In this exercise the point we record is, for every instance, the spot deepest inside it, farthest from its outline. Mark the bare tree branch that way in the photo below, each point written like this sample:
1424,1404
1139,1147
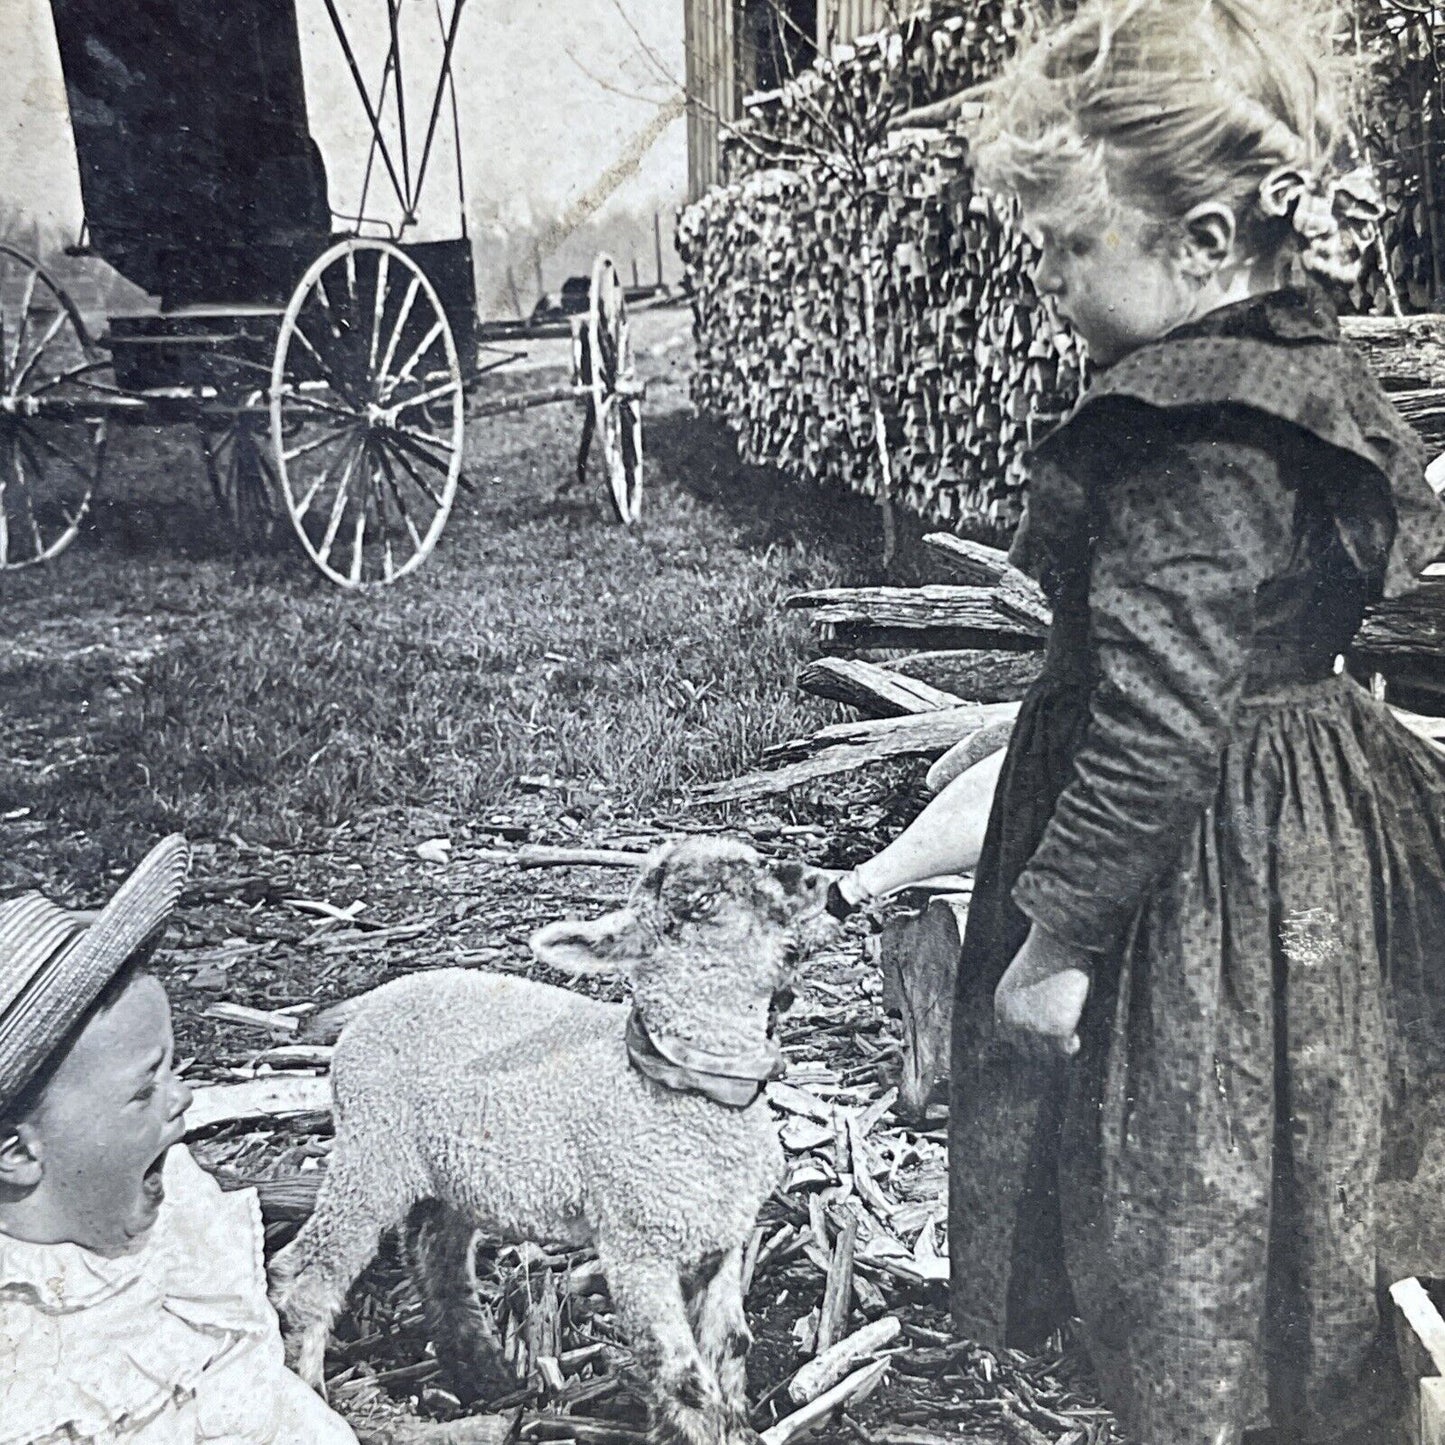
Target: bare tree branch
613,89
660,65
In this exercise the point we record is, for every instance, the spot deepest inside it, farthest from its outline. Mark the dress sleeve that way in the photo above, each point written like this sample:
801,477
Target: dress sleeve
1191,530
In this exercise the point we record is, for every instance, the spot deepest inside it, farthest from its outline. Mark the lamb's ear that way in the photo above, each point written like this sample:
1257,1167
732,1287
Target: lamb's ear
599,945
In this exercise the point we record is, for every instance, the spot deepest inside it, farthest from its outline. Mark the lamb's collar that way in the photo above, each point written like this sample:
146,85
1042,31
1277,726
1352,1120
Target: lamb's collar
732,1079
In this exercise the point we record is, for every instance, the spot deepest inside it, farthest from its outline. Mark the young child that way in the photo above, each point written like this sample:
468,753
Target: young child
1212,881
132,1290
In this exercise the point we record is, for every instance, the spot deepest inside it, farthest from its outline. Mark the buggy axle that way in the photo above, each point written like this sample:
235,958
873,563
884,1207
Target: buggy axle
344,414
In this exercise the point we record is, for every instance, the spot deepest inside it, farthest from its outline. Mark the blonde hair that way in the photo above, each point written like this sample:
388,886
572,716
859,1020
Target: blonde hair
1166,104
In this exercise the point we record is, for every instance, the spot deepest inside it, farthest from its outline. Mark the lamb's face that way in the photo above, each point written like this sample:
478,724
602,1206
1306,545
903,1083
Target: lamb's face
707,913
718,901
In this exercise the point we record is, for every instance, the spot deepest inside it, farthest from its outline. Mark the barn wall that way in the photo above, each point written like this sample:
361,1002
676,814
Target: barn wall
843,20
711,41
840,21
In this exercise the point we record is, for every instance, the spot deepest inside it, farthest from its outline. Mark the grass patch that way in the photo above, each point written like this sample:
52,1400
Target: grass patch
155,679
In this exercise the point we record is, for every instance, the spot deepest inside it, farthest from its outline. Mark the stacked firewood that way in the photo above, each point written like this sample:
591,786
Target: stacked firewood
885,337
838,108
862,315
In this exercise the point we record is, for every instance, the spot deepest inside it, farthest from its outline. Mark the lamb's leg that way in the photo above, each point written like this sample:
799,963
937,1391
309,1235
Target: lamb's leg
440,1244
365,1191
687,1405
715,1304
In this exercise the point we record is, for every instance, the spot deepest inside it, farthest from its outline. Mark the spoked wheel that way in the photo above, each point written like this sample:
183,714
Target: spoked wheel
616,409
366,413
242,471
51,462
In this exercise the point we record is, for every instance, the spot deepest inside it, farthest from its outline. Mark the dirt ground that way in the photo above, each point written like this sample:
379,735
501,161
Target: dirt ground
156,588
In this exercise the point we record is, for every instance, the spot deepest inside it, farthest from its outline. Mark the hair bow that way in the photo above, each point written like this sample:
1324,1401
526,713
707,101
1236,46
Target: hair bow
1334,218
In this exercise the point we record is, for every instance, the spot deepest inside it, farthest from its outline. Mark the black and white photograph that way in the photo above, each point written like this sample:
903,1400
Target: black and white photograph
722,722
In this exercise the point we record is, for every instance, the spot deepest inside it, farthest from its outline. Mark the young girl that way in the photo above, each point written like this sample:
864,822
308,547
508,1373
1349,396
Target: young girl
1212,879
132,1291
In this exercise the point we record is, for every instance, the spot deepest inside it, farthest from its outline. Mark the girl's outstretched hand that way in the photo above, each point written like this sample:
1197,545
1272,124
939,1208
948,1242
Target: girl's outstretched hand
1041,996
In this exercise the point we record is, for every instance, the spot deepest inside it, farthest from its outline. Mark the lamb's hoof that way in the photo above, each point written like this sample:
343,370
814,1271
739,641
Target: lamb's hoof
681,1423
477,1377
309,1359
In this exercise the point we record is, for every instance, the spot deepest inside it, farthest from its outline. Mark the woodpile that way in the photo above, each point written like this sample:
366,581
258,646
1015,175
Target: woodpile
1401,48
862,316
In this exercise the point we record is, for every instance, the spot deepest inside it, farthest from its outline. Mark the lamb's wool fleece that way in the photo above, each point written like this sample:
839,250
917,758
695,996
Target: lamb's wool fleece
467,1099
511,1098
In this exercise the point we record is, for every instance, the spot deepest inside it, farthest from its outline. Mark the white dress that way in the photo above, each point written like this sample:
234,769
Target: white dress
174,1343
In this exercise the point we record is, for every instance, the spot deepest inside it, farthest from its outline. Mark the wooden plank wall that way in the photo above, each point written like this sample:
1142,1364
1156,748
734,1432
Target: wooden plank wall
840,21
710,35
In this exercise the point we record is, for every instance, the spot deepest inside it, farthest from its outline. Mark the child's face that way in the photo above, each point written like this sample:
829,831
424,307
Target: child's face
1113,281
105,1121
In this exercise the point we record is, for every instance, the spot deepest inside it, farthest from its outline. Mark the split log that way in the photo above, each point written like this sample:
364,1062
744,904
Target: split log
535,855
1424,409
1020,597
850,1391
1411,625
867,637
238,1013
838,1291
874,691
761,784
918,952
261,1099
1432,729
926,735
829,1366
1420,1342
1020,1431
794,1100
977,675
750,1257
965,613
974,563
1404,351
865,1166
1015,615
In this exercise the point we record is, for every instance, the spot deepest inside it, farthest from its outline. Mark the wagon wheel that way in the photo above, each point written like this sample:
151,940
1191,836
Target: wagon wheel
616,409
242,473
366,413
50,465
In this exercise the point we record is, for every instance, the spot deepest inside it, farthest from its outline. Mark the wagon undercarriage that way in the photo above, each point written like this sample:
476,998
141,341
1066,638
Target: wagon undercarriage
339,399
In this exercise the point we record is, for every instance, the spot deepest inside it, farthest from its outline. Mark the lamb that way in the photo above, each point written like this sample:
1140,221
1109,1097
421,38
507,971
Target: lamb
467,1101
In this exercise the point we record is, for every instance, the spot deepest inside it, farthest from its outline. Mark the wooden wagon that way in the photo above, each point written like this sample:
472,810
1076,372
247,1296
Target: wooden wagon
328,363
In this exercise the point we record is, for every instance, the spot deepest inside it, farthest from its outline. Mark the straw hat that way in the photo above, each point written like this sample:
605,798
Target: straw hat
55,962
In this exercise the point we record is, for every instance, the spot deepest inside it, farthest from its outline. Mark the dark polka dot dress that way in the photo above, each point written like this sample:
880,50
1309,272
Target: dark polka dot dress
1253,851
